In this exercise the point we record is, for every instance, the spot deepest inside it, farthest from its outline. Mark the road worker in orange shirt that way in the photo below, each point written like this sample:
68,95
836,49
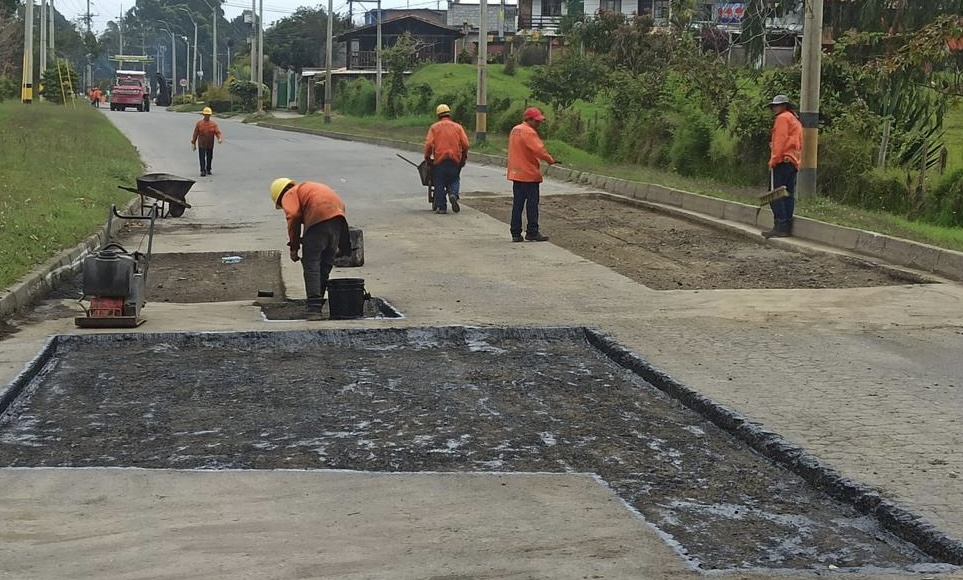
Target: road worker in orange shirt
446,149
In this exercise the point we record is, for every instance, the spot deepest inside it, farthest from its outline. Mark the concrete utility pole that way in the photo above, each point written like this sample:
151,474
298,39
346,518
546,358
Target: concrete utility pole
43,37
809,96
26,88
481,107
88,73
329,45
51,35
378,64
260,58
254,24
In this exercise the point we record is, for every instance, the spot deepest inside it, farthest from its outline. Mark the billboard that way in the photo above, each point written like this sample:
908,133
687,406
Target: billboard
730,13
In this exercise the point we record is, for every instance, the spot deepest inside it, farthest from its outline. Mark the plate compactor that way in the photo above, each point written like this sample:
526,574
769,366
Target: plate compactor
115,280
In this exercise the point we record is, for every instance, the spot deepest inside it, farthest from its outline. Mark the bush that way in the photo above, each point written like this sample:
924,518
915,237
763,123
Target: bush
691,142
218,99
509,66
944,206
357,98
533,55
184,99
9,88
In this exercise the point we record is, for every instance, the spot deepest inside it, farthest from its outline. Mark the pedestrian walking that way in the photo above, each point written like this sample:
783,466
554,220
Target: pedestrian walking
525,151
785,152
205,131
317,224
446,149
95,97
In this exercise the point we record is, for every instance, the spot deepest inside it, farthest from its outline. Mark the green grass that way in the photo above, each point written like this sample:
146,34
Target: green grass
59,172
446,78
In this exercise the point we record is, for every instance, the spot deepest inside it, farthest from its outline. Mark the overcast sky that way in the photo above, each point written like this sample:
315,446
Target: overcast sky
103,11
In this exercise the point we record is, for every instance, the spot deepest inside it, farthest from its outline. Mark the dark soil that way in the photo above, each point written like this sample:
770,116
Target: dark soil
202,277
668,253
448,399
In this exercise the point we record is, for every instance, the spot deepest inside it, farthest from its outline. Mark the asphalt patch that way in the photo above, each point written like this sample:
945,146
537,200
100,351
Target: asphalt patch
450,399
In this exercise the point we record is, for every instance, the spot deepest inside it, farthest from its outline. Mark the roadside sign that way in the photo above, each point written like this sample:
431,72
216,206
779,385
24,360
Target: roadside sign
182,82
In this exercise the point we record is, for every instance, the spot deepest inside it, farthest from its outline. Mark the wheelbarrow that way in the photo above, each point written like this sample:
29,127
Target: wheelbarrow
424,173
170,190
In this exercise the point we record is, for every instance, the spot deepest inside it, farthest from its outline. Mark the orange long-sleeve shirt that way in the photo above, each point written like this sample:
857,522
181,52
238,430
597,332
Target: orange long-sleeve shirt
446,139
205,131
785,144
525,150
307,204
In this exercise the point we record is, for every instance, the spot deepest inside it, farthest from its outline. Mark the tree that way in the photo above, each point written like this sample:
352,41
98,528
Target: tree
397,59
300,40
569,79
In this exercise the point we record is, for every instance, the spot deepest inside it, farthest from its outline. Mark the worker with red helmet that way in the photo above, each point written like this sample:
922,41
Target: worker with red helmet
525,151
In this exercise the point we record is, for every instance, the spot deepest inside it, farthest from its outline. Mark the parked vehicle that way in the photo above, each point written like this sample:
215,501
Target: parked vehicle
131,89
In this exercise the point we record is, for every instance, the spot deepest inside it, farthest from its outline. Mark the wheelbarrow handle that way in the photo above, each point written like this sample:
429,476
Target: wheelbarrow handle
406,159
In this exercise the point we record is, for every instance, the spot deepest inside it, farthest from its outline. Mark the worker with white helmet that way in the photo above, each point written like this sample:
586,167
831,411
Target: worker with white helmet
317,225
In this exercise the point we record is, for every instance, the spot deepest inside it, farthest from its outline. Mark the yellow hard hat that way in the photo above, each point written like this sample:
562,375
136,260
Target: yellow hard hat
278,186
442,109
207,111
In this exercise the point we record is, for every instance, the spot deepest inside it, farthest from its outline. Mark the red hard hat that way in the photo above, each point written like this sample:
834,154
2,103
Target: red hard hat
534,113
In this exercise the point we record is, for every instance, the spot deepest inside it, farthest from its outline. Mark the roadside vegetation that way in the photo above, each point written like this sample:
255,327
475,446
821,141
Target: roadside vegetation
891,139
59,172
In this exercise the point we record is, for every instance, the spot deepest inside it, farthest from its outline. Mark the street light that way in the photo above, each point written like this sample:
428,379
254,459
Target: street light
194,60
187,55
173,56
215,77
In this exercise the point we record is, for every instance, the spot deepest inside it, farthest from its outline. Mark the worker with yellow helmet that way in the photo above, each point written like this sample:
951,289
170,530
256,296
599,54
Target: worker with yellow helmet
446,149
317,225
205,131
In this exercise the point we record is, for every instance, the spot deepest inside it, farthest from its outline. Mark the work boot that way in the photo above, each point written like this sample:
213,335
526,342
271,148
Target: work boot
536,237
454,203
780,230
441,210
518,239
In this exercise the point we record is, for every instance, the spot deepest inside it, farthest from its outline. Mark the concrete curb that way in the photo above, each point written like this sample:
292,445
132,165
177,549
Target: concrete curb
65,264
901,522
914,255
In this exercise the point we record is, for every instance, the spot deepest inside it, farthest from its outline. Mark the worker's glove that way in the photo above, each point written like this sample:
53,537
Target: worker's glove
220,140
294,256
193,147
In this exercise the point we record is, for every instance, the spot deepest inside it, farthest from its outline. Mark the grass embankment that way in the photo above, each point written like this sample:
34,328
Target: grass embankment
448,78
59,172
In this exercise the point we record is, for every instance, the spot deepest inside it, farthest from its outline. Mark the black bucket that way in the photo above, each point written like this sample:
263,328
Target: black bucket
346,298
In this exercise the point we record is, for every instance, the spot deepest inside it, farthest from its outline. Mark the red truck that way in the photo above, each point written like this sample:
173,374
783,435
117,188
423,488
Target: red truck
130,89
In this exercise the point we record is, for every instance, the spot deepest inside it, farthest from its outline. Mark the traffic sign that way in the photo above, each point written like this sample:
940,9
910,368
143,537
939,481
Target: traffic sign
182,82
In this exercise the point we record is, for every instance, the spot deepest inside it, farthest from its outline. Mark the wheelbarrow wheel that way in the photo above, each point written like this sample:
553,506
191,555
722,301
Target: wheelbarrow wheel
431,196
175,209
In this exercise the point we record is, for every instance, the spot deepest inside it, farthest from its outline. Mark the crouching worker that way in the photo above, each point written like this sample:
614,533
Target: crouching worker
317,210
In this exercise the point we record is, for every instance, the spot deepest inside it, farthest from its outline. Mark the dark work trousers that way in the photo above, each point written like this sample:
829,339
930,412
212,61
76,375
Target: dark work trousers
782,209
444,173
525,196
205,156
318,249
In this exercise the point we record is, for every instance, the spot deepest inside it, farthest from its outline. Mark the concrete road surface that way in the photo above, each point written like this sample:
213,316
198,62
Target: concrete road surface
868,380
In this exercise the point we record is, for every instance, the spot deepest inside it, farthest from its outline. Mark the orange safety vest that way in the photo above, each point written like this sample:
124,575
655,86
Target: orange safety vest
446,139
309,204
205,131
525,149
785,144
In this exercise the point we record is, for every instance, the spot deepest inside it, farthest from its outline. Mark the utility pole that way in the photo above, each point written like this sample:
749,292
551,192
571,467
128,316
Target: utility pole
51,35
481,107
26,88
215,76
329,45
88,73
809,96
260,59
378,64
254,25
43,37
120,34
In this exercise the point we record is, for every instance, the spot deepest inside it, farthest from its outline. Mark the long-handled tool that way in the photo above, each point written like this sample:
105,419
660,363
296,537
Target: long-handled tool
424,172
